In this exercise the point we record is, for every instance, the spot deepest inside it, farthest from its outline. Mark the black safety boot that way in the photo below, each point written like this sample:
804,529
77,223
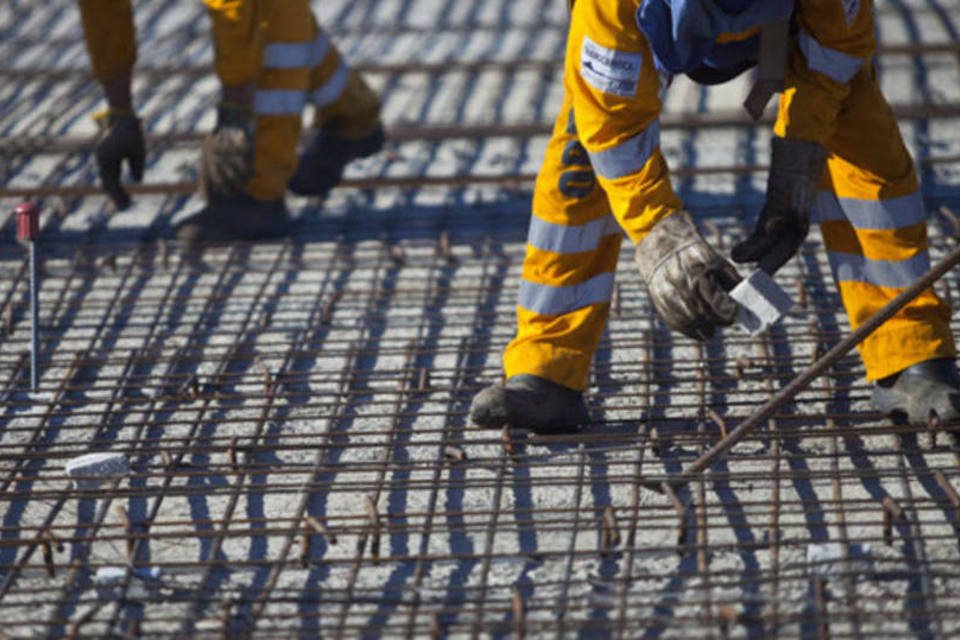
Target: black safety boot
240,217
925,391
530,402
321,165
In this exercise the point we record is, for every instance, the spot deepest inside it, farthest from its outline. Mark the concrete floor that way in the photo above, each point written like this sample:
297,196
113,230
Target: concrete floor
342,328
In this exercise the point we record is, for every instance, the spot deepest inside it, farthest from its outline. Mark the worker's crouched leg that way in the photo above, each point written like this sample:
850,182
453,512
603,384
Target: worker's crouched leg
530,402
346,130
926,393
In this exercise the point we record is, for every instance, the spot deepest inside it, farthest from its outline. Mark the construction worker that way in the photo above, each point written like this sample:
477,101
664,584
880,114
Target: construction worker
272,60
837,155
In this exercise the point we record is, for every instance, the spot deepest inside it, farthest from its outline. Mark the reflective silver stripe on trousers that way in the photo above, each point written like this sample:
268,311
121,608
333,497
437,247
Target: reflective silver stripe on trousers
332,89
559,238
893,213
850,267
556,301
628,157
278,102
835,64
293,55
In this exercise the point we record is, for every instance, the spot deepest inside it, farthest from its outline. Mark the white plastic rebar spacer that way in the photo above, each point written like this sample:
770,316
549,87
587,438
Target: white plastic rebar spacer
762,302
90,471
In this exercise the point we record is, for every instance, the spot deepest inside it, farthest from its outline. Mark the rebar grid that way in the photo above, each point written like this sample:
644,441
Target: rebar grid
295,413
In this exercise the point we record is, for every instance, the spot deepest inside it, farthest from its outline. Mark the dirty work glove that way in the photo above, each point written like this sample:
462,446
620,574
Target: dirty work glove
686,279
226,156
795,170
120,138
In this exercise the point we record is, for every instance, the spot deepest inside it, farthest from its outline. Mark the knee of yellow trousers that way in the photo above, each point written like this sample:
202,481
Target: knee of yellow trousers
558,348
274,157
888,352
355,113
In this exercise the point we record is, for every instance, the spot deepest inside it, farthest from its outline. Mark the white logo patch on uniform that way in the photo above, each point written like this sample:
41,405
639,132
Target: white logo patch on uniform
609,70
851,8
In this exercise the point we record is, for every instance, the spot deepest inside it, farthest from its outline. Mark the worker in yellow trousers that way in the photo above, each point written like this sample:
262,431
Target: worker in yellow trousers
837,156
272,60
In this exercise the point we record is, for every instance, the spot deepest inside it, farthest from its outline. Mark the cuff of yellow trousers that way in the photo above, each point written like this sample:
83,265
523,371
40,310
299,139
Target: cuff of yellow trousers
570,369
888,352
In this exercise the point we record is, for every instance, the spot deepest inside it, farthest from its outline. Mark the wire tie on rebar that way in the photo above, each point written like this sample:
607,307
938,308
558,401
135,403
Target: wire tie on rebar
509,449
397,255
124,517
954,220
892,512
720,422
681,510
321,529
164,253
727,617
951,493
59,207
87,616
265,319
374,516
48,542
232,454
519,615
454,453
326,313
820,600
190,388
108,262
443,246
611,530
656,446
615,300
740,365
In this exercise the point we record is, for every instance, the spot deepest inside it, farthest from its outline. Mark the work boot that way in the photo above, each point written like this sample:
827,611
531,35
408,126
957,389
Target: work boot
530,402
927,390
241,217
321,165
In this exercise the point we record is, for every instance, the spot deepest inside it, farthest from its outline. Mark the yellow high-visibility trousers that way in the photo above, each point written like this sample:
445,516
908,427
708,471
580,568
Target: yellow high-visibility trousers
275,43
603,175
874,227
300,66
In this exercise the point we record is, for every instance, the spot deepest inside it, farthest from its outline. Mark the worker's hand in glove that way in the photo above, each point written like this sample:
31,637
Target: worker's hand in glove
121,138
226,156
795,170
687,280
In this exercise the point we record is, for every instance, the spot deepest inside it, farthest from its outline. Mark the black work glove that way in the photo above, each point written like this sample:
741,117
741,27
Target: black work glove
226,156
121,138
795,170
687,280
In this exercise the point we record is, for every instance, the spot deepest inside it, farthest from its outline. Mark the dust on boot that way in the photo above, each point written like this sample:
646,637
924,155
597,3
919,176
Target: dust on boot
530,402
240,217
926,391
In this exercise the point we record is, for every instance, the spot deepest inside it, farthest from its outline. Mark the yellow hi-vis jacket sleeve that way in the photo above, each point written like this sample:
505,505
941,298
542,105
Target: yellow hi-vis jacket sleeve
834,40
615,92
110,36
237,39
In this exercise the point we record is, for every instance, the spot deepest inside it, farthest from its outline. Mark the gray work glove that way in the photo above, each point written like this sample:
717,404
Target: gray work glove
226,155
795,170
120,138
687,280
